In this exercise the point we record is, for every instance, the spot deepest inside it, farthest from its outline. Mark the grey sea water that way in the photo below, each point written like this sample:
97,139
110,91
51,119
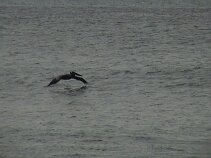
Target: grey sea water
148,68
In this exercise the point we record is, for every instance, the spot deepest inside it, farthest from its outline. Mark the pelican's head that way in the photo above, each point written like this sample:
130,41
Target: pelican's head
74,73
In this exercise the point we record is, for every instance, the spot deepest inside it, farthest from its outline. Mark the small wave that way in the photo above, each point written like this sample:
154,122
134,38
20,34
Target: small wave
128,72
153,72
76,89
20,81
113,73
173,85
144,138
121,72
93,140
174,149
70,91
191,69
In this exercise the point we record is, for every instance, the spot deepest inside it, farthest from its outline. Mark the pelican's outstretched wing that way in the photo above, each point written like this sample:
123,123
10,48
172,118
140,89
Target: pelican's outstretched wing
80,79
54,81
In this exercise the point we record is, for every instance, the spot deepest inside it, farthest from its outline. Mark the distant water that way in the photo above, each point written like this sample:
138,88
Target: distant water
149,74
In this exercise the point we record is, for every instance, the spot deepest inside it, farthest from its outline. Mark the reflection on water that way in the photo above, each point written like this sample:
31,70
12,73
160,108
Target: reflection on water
76,91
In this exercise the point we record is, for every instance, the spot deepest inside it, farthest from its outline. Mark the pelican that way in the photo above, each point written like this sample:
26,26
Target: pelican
72,75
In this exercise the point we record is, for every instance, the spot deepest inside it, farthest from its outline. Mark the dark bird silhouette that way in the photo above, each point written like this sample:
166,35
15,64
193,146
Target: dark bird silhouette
72,75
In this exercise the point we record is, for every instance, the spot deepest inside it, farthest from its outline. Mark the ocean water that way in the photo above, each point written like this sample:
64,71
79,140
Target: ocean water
149,74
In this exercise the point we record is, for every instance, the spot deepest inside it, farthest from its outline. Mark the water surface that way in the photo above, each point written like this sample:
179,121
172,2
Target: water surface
148,70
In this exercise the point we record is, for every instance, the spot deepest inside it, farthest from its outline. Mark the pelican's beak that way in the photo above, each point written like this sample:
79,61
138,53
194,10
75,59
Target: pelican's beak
78,74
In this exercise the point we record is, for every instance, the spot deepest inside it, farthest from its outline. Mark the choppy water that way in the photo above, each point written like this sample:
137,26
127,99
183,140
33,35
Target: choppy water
148,69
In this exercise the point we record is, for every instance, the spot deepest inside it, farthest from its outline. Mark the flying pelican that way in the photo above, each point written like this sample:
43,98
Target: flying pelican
72,75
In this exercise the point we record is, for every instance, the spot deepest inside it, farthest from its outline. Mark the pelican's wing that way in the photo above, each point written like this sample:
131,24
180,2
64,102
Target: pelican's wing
80,79
54,81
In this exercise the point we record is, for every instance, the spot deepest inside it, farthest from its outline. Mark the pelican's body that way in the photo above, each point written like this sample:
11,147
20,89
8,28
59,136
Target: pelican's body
72,75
